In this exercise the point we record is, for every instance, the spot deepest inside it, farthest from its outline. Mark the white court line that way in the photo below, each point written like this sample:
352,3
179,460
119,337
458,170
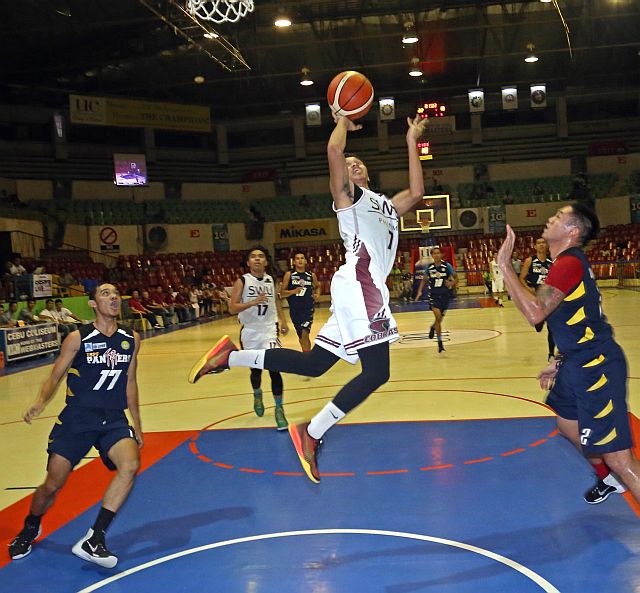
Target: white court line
536,578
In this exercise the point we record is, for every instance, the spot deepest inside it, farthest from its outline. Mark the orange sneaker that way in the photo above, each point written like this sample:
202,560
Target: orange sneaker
307,449
214,361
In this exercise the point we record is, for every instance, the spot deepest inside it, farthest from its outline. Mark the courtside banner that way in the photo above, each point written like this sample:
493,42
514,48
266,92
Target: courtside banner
317,230
130,113
634,205
19,343
497,219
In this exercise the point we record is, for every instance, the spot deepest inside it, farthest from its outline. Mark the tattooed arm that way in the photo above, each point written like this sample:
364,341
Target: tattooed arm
535,307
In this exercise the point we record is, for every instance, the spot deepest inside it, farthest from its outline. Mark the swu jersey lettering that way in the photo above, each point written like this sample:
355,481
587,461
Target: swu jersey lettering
265,314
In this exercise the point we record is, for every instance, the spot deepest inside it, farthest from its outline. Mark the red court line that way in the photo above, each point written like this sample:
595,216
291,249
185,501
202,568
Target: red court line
251,471
540,442
85,487
507,453
291,474
388,472
481,460
432,467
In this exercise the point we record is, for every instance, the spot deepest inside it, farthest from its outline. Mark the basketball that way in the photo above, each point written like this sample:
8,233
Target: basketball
350,94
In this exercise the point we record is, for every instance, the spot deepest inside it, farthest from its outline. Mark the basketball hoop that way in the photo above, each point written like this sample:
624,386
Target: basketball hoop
220,11
424,226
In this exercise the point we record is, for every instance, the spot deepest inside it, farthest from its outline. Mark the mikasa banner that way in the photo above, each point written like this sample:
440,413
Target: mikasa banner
305,230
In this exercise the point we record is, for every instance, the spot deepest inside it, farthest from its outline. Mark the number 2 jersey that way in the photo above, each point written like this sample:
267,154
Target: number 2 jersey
538,271
98,374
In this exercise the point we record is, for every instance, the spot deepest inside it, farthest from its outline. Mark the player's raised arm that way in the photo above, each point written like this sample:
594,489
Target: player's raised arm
535,307
405,200
339,184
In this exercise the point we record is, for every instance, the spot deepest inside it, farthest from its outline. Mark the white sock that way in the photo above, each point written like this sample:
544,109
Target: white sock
324,420
254,359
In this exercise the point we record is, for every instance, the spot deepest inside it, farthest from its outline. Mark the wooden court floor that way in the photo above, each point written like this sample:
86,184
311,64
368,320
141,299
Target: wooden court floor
487,372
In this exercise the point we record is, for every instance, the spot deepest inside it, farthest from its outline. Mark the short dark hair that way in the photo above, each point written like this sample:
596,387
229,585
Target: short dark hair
49,301
31,301
586,220
13,303
58,301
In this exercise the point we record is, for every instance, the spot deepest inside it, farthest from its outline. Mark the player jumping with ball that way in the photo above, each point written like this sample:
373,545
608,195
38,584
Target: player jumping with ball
361,325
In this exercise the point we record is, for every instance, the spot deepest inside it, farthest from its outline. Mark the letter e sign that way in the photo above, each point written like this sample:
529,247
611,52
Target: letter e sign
194,233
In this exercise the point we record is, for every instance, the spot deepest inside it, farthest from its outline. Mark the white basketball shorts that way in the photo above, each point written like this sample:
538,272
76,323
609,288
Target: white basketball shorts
263,338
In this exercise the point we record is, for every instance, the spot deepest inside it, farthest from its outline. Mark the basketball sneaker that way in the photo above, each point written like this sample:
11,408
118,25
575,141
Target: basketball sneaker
603,489
258,405
440,347
281,420
96,553
21,545
214,361
307,449
432,332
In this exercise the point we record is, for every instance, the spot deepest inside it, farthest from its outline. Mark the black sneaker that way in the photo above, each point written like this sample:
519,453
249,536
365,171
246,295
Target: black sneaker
21,545
96,553
440,347
603,489
432,332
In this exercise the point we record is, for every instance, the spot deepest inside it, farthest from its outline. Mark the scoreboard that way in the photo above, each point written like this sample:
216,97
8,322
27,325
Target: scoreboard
441,123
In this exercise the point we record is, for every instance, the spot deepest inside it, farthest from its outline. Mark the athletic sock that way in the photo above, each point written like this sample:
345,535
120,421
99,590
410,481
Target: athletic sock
103,520
253,359
278,400
601,469
324,420
257,392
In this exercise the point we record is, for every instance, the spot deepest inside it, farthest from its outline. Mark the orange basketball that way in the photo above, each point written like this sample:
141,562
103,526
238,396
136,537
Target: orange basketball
350,94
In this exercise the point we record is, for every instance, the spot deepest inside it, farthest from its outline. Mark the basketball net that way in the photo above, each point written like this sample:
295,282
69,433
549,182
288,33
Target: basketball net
220,11
424,226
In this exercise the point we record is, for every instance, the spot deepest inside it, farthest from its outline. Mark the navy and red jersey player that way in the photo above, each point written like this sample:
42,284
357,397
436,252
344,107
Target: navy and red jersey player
587,381
533,274
302,290
99,361
441,279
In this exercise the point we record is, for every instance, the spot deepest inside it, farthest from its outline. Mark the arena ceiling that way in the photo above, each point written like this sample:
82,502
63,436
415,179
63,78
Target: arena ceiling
148,49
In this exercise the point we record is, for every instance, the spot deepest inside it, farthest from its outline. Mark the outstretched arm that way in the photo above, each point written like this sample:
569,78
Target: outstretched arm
535,307
339,184
405,200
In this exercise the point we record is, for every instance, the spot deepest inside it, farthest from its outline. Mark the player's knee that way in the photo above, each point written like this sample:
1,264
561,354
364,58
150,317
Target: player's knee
51,486
128,467
377,376
618,462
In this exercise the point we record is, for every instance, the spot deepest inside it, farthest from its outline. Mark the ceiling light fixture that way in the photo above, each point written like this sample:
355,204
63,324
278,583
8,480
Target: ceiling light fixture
282,20
409,36
198,79
531,56
211,35
546,1
415,68
306,80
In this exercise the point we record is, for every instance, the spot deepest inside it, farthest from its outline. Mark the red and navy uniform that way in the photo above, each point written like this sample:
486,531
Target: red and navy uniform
591,382
439,292
96,396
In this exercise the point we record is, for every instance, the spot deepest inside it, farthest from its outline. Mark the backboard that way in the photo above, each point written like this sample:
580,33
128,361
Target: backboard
435,209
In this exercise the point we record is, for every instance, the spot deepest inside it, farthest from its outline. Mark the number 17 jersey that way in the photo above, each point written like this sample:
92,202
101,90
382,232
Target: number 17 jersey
98,374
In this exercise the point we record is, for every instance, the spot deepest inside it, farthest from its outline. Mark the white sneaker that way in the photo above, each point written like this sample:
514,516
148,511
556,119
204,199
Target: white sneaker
97,554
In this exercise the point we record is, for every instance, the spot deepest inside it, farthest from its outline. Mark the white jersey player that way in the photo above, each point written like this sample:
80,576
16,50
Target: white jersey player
361,325
254,298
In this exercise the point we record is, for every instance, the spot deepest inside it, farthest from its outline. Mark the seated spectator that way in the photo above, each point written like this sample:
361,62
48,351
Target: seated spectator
139,310
194,300
67,316
206,300
183,305
39,269
156,308
507,198
66,279
50,314
166,300
16,268
537,189
6,318
28,314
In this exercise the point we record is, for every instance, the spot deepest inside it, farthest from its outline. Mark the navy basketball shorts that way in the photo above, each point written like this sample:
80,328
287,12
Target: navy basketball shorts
302,320
440,301
594,393
78,429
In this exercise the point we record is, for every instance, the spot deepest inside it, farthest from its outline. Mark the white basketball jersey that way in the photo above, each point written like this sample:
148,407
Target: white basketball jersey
369,229
262,315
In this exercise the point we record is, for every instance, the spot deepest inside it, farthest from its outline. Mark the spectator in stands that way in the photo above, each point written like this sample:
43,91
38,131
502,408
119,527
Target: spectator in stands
16,268
6,319
516,262
304,201
66,278
507,198
183,306
156,308
139,310
40,269
66,315
193,300
49,314
166,300
12,311
28,314
206,300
